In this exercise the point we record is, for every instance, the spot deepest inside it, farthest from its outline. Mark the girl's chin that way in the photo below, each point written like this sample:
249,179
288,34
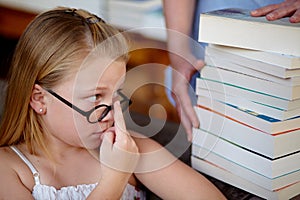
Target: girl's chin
94,141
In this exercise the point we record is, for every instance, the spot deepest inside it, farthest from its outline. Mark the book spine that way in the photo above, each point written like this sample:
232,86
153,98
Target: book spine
251,95
257,163
252,64
251,176
272,146
237,181
238,33
257,107
223,63
250,83
275,59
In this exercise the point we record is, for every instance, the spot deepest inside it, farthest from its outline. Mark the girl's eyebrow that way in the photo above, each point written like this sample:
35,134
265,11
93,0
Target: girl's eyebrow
98,88
101,88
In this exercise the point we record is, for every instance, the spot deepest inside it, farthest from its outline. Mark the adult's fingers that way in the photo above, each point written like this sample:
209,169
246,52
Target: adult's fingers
199,64
185,109
188,115
276,11
262,11
295,18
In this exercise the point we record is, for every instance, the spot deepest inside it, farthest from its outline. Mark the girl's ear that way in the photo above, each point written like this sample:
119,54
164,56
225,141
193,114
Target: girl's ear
37,99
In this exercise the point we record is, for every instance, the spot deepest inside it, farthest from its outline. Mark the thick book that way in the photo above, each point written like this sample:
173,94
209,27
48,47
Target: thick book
215,57
136,6
243,102
235,27
220,173
261,122
140,16
275,59
268,167
268,145
242,171
214,53
232,66
249,94
252,83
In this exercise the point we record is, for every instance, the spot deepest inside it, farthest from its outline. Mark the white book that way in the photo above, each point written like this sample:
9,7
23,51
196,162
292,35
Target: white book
134,5
239,182
219,53
232,65
250,83
270,168
275,59
143,17
235,27
261,122
242,102
271,146
242,171
249,94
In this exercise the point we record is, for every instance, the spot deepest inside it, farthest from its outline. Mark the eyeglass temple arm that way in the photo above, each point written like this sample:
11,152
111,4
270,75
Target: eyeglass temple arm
68,103
125,98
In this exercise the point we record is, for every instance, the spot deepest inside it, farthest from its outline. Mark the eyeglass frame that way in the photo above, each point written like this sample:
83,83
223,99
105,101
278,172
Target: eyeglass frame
88,113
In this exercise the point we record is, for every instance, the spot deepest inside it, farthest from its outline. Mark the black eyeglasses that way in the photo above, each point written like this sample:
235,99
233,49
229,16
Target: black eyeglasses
98,113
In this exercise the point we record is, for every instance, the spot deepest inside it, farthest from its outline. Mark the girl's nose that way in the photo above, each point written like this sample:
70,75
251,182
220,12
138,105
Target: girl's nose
109,116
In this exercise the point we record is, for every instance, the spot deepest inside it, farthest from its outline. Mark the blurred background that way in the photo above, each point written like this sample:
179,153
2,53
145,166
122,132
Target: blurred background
147,46
151,112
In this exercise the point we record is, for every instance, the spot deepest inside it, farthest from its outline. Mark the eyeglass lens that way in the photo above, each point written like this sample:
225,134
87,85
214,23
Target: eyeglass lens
101,112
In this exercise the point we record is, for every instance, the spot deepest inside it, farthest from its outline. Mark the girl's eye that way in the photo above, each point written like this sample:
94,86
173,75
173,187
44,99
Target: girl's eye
94,98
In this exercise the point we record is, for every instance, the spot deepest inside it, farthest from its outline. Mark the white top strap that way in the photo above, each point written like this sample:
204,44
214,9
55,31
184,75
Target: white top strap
35,173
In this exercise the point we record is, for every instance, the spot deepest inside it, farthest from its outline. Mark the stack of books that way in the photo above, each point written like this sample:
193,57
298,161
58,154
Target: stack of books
141,16
249,103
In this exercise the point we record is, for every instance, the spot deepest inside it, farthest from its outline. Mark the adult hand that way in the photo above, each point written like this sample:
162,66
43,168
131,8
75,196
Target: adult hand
288,8
183,70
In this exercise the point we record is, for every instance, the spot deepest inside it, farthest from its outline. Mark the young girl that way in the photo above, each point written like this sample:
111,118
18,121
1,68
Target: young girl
63,135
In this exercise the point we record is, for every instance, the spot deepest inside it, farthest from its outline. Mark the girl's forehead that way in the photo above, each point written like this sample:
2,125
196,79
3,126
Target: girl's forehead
100,71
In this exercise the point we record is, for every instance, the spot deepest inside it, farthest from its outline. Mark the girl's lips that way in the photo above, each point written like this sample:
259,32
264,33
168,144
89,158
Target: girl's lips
110,129
102,133
105,128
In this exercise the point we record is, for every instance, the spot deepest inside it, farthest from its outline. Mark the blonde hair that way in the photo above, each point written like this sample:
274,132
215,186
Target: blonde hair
46,51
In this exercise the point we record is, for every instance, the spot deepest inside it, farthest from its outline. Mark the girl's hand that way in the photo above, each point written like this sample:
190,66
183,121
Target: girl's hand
118,150
118,157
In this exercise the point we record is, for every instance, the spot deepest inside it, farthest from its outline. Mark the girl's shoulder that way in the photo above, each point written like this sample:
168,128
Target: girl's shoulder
16,182
14,167
9,168
6,155
10,158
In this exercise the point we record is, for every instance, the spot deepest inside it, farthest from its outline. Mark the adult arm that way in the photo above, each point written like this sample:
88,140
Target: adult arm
179,20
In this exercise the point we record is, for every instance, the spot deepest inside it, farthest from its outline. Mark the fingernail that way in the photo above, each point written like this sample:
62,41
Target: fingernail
196,125
190,138
293,19
270,16
253,12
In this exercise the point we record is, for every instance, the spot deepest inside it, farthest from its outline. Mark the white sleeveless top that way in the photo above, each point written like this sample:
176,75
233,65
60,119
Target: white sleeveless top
79,192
